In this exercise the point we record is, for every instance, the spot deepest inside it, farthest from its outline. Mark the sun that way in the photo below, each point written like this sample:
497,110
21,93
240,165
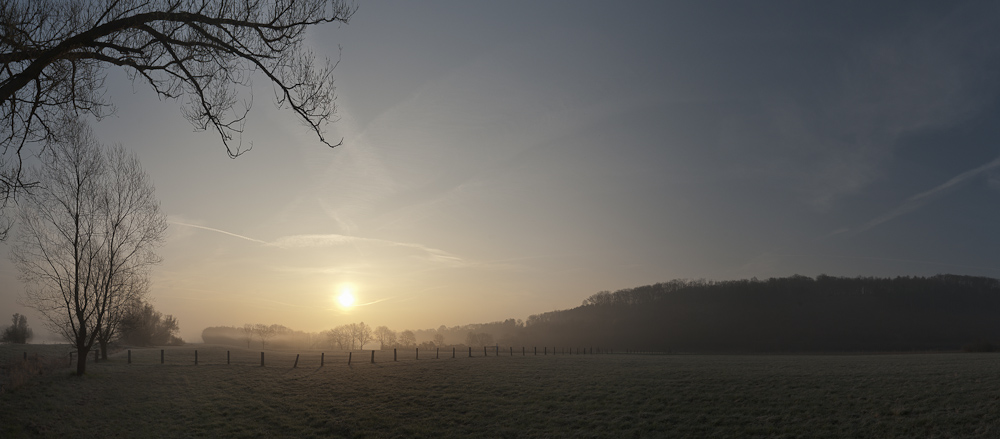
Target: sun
346,298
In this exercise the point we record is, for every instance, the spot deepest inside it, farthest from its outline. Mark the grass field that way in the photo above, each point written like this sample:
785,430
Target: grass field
885,396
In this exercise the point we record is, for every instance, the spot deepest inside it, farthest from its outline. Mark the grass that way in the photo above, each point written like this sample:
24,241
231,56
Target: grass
885,396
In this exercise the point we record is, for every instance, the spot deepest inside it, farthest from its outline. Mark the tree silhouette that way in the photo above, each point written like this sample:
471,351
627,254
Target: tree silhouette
265,333
246,333
362,333
385,337
143,325
88,235
18,332
54,54
407,338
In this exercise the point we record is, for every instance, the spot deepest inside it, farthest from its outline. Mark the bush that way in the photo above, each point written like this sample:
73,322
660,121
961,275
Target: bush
145,326
18,332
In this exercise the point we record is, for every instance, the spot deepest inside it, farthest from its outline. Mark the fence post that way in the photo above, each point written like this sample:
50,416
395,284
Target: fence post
522,351
511,351
546,350
321,358
25,356
129,356
453,352
296,361
262,359
484,352
418,353
161,356
470,351
373,356
227,357
195,357
393,354
497,349
437,354
349,358
536,350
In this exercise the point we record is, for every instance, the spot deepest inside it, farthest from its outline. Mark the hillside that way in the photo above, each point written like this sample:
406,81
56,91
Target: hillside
793,314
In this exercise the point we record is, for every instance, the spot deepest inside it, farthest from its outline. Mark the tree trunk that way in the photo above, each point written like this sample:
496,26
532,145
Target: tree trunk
81,349
81,360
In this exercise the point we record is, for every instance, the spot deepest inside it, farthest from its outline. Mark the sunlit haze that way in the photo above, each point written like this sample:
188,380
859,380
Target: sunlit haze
503,159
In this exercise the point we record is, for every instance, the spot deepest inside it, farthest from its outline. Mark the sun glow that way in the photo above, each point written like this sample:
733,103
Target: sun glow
346,298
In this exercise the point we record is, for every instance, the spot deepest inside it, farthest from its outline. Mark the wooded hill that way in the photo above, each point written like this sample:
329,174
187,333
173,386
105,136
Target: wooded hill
793,314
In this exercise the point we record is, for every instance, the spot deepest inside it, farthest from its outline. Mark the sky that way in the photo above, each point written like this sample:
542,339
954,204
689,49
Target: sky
503,159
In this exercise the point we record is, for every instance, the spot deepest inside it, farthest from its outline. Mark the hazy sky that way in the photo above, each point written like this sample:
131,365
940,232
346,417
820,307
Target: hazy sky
503,159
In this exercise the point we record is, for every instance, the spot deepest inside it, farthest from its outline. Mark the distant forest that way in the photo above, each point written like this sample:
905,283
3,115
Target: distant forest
791,314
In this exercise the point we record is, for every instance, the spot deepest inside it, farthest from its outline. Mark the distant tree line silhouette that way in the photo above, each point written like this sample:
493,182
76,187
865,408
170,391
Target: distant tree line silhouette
353,336
791,314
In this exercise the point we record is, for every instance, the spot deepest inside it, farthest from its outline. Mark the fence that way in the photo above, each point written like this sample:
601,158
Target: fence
221,355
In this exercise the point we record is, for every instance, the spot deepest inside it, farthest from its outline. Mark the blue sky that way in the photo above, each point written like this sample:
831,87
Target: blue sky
505,159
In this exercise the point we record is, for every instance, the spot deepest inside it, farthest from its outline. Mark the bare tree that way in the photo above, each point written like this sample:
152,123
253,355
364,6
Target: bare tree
439,339
57,249
352,333
385,337
247,333
363,334
54,54
132,227
264,333
88,233
407,338
479,339
340,336
125,299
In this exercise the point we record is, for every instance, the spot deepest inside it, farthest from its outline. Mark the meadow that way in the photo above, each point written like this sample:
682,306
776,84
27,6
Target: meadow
619,395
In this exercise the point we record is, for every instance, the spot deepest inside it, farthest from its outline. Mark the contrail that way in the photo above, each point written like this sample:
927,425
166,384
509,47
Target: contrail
218,231
922,198
302,241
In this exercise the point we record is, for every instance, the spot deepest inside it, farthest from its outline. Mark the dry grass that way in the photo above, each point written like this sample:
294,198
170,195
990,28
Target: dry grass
886,396
20,364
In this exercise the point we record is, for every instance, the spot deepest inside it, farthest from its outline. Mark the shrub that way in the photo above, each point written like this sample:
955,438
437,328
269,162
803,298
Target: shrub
18,332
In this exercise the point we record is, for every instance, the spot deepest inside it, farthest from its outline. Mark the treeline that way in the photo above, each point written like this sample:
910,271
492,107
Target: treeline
475,334
792,314
261,335
363,336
